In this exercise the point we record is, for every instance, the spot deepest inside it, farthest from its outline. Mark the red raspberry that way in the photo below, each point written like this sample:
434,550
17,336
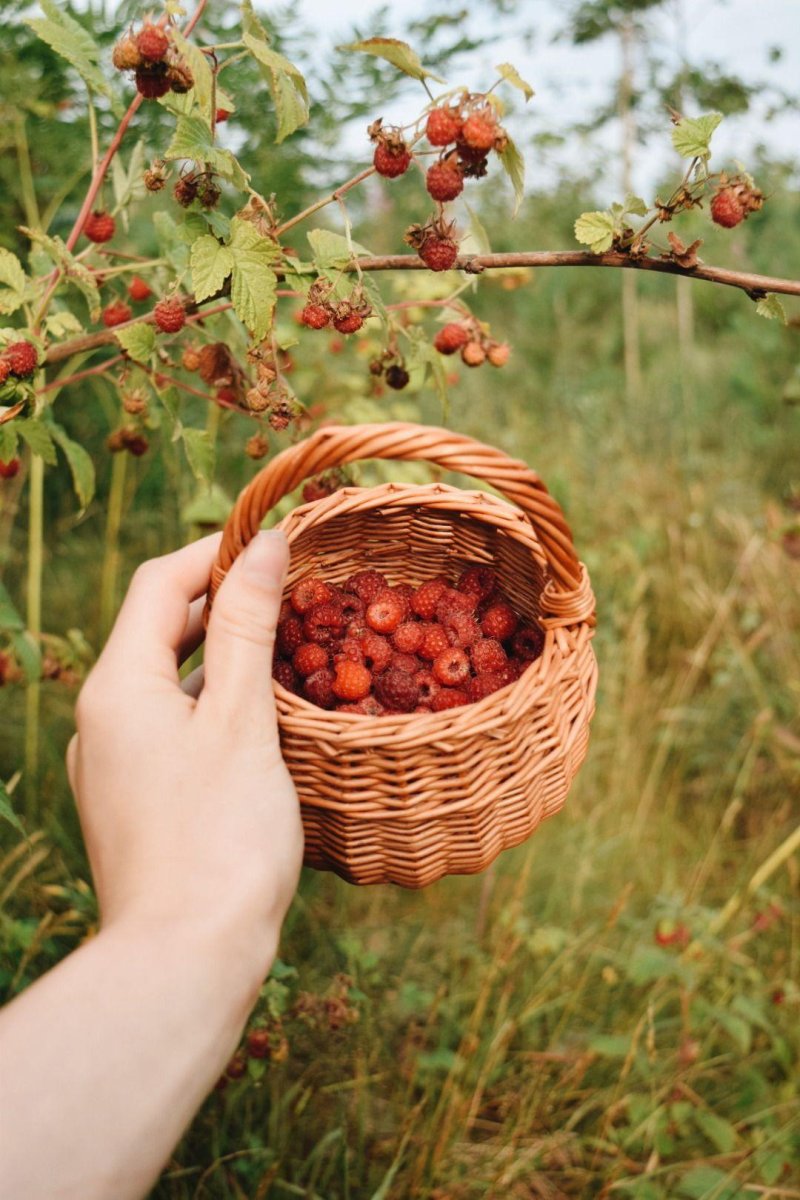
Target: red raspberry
434,643
400,595
390,160
348,323
409,663
5,370
407,638
318,688
480,580
443,126
309,658
9,469
368,707
480,129
308,593
498,353
376,651
473,354
396,690
428,685
290,635
352,681
405,591
499,621
126,56
152,43
237,1067
138,289
366,585
284,674
315,316
258,1043
483,685
427,597
488,655
450,338
451,667
152,81
726,208
22,359
464,629
349,650
528,642
99,227
116,313
221,115
452,602
385,613
444,181
324,623
423,708
449,698
170,315
439,253
352,609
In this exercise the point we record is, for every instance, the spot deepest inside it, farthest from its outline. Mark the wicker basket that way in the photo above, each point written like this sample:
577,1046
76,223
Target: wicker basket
407,799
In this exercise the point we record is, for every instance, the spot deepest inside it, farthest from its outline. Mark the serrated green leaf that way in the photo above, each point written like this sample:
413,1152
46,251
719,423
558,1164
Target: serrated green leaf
635,205
192,140
512,76
137,340
62,324
7,810
514,167
769,306
9,440
80,465
74,272
595,230
332,250
285,82
718,1131
253,281
200,67
211,266
199,453
38,437
13,276
691,137
398,53
74,43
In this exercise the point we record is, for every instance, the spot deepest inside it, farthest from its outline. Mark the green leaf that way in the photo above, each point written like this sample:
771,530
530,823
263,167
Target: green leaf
80,465
718,1131
199,453
691,137
137,340
62,324
610,1045
9,440
595,230
738,1030
332,250
74,43
39,438
253,282
709,1183
649,963
476,240
192,140
211,506
769,306
7,811
200,68
211,266
514,166
398,53
13,276
128,183
74,272
285,82
512,76
10,619
28,653
635,205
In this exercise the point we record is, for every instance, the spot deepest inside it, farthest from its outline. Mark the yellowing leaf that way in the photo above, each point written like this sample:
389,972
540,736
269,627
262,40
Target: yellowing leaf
253,281
769,306
512,76
211,266
138,340
595,230
13,276
514,167
691,136
398,53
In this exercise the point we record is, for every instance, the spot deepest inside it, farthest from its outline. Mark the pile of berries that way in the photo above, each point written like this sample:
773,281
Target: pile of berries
157,64
321,309
471,341
369,647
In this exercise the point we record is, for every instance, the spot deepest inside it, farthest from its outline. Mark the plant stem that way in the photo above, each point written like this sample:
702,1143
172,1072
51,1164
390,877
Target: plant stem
33,620
324,201
110,572
27,188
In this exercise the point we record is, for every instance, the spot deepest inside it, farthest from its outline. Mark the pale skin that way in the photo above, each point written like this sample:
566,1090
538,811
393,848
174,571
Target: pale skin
193,832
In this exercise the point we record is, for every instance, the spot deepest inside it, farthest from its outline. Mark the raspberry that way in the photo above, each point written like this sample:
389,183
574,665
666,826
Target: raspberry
116,314
5,370
257,446
366,585
452,602
284,674
221,115
408,663
9,469
350,322
397,377
480,129
22,359
137,444
190,359
181,81
352,681
368,707
498,353
434,642
499,621
324,623
391,160
258,1043
483,685
443,126
138,289
449,698
126,55
465,629
99,227
349,650
185,190
152,43
151,81
407,638
428,685
237,1066
385,613
400,595
451,667
473,354
376,651
481,581
488,655
318,688
528,642
450,338
444,181
352,609
170,315
427,597
726,208
290,635
315,316
309,658
439,253
308,593
397,691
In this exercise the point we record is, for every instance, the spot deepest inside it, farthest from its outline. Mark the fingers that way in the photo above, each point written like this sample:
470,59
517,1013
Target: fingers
241,629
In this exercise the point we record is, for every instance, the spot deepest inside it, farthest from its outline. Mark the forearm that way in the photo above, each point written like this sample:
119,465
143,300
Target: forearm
104,1061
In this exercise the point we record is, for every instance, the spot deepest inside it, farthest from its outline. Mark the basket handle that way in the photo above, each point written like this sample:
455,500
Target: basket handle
567,597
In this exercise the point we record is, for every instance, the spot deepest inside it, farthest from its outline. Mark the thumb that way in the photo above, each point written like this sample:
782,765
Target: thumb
241,629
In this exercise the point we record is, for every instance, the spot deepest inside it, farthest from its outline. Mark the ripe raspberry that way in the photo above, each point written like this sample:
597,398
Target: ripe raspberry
5,370
478,580
315,316
290,635
350,322
258,1043
368,707
352,681
126,55
528,642
324,623
352,609
9,469
284,674
452,601
397,377
221,115
366,585
443,126
449,698
237,1067
488,655
391,160
385,613
152,81
318,688
397,691
450,338
439,253
465,629
152,43
473,354
376,651
99,227
408,663
138,289
444,181
400,595
407,638
170,315
480,129
483,685
434,642
499,621
726,208
451,667
116,313
308,593
309,658
428,685
498,353
426,598
22,359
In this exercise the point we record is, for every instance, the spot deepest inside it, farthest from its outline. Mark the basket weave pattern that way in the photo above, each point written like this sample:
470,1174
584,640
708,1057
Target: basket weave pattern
409,798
